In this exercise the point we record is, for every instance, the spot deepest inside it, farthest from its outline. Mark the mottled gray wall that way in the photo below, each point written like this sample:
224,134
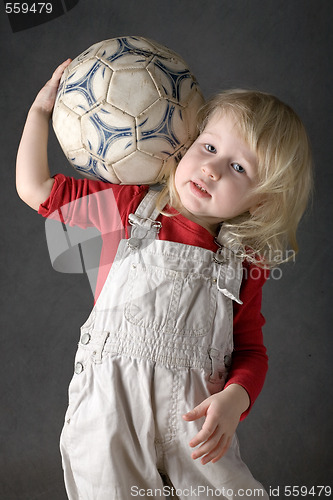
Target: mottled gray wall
283,47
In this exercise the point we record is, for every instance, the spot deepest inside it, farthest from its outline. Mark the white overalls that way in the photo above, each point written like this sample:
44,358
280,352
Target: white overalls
157,343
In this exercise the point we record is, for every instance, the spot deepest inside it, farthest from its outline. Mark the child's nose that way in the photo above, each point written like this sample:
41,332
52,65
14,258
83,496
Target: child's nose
211,171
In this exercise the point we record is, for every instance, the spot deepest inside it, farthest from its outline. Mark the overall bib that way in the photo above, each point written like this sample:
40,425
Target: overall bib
157,343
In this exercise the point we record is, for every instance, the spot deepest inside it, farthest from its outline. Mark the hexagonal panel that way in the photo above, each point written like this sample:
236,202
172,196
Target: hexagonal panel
108,133
132,91
136,166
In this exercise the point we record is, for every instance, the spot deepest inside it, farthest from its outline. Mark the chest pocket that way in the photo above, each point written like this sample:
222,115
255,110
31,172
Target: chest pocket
170,301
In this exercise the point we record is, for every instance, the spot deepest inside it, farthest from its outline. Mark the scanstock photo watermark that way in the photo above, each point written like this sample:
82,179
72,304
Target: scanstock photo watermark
195,492
207,492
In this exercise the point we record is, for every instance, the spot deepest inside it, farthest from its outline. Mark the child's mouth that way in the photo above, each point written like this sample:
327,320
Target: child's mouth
201,188
198,190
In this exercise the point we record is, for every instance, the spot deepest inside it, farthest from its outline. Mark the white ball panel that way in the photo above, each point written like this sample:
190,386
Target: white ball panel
136,166
67,126
132,91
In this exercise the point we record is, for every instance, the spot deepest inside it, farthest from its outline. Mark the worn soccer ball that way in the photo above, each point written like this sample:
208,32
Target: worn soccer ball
126,110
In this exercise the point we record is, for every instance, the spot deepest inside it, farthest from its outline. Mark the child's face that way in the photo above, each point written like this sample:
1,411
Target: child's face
215,177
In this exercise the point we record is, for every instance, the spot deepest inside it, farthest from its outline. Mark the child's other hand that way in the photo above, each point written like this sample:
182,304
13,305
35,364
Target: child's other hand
46,97
222,412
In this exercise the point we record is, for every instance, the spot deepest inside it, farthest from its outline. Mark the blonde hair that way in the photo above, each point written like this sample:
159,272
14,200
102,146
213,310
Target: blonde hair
284,174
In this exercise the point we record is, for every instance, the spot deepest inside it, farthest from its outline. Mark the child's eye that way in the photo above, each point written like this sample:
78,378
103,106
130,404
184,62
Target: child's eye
210,148
238,168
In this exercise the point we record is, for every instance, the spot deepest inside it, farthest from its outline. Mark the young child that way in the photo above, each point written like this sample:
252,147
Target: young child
171,357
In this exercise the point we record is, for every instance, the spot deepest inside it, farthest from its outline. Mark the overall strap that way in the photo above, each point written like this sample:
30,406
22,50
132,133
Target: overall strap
144,219
230,273
147,208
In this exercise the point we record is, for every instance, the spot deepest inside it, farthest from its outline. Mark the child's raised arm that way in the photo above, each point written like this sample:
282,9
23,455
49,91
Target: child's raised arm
33,181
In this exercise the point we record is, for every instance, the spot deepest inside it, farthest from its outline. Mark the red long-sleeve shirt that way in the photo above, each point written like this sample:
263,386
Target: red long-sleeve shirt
88,203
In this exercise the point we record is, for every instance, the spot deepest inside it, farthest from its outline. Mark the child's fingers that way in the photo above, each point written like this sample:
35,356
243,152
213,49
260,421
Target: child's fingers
64,64
216,453
212,450
224,448
208,430
57,74
201,437
208,445
197,412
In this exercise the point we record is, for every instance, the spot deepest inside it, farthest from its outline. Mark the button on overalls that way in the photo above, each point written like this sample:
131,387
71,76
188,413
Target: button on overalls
156,344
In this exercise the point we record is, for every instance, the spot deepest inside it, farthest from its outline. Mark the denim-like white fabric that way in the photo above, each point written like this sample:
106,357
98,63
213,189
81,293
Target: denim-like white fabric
157,342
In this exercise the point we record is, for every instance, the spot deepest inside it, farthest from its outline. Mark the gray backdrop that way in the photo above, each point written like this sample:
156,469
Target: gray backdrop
283,47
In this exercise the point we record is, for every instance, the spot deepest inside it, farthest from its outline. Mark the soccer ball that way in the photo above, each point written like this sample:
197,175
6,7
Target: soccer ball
126,110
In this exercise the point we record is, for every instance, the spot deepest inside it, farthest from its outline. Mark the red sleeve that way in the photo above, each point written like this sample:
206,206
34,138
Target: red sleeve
249,360
86,203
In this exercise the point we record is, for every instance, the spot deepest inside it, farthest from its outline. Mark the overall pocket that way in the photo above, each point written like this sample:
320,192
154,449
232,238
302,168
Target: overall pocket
170,301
